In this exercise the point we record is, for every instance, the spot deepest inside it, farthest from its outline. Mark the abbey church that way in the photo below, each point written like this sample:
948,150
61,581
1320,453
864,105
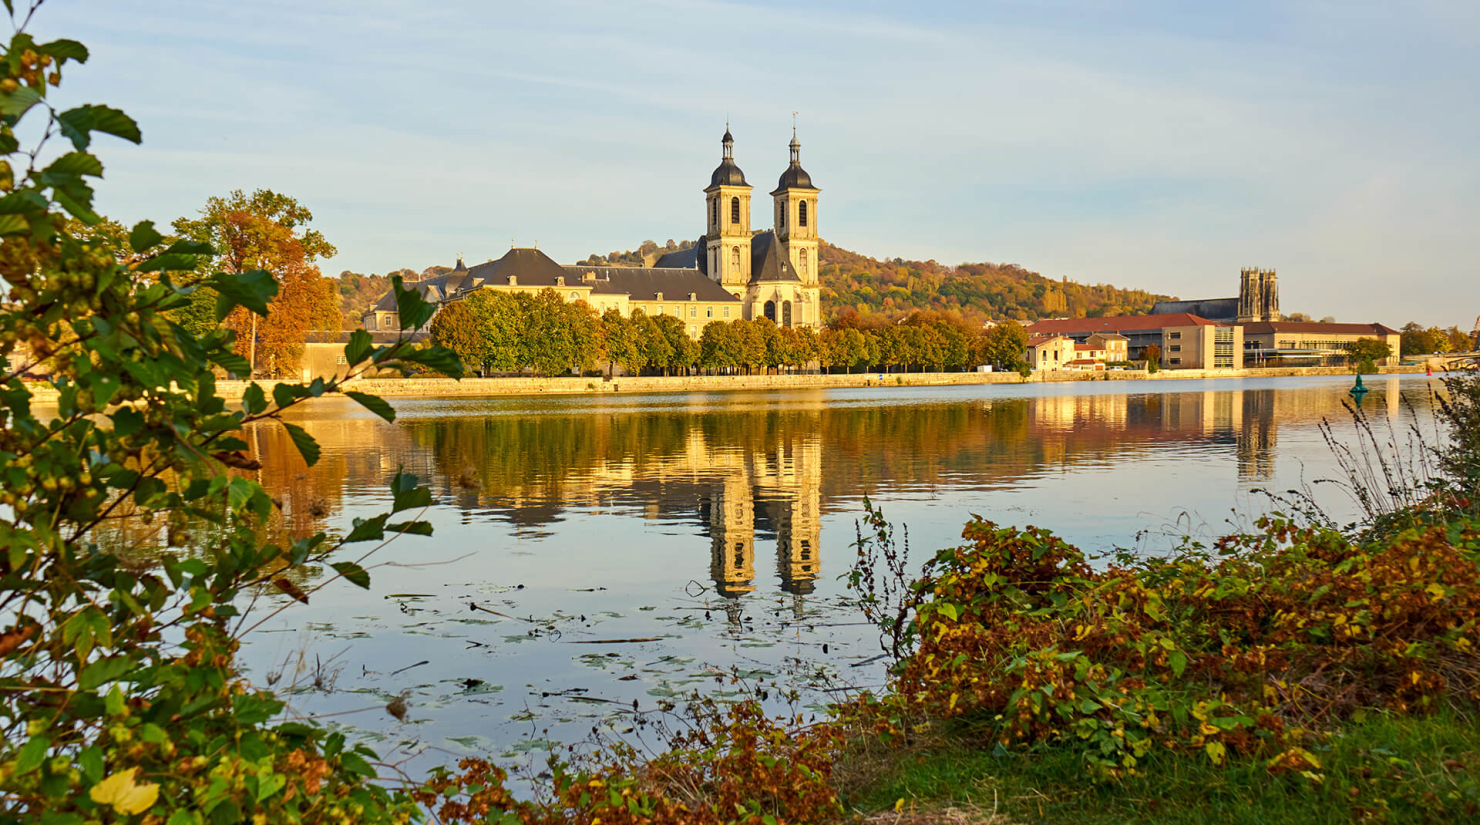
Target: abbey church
732,272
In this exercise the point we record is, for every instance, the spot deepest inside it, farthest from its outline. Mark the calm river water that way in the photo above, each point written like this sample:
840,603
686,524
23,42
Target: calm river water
717,526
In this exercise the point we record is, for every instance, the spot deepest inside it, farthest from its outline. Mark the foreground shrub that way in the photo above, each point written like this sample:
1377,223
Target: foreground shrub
732,764
128,526
1245,649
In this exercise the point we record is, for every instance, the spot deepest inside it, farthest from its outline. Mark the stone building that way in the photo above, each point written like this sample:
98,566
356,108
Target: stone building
1258,300
733,272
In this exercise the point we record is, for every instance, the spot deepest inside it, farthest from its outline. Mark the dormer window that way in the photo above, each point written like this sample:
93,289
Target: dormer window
659,298
513,280
693,296
560,280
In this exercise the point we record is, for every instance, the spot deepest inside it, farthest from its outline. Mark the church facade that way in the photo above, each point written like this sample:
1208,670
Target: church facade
731,272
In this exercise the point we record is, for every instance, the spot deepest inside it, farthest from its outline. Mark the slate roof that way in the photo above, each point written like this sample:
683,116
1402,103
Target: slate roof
644,283
682,259
766,261
1214,309
1118,323
727,174
1310,327
433,289
530,267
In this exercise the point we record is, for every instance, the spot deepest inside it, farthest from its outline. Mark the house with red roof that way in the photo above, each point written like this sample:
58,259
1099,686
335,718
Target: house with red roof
1186,341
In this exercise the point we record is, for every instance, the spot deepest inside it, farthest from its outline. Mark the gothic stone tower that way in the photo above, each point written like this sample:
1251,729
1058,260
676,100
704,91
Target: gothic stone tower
796,216
727,239
1258,296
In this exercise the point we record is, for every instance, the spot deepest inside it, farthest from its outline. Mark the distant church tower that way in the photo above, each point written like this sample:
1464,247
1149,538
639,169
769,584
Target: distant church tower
727,240
796,216
1258,296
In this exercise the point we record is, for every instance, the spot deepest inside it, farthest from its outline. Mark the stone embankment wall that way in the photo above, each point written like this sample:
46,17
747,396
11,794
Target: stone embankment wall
473,387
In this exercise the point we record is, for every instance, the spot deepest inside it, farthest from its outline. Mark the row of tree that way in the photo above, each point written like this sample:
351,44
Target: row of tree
515,332
1420,340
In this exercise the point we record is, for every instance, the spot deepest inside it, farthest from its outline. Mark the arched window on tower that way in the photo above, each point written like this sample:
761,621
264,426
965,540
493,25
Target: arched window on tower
802,263
735,259
714,213
801,213
735,211
781,215
770,311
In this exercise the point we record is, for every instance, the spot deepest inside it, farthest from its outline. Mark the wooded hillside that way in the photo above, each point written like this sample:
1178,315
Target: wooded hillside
891,288
897,287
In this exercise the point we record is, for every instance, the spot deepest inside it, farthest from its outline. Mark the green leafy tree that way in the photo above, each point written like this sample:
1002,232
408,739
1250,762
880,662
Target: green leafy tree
458,328
120,695
657,353
623,341
1418,340
1366,352
684,350
1004,346
720,346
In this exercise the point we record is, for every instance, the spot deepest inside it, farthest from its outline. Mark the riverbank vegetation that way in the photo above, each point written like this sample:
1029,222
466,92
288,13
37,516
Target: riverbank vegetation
514,332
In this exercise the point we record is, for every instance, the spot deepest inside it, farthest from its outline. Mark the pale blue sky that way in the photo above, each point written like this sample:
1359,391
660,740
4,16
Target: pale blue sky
1158,145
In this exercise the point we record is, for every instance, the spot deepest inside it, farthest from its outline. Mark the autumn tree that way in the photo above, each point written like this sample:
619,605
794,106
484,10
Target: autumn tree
1152,354
458,328
266,231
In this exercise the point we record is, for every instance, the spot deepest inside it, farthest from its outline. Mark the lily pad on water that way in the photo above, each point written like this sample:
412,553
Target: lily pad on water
471,744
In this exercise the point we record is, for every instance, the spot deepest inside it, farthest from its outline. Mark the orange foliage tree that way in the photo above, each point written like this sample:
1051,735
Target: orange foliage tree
269,231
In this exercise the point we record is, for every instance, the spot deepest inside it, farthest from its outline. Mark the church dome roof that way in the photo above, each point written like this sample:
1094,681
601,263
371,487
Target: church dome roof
795,177
727,174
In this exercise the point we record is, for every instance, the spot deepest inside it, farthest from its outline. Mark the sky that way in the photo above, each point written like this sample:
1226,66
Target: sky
1159,145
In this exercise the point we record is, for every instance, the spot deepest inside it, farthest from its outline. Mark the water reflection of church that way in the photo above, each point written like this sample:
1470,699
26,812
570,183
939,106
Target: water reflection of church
786,486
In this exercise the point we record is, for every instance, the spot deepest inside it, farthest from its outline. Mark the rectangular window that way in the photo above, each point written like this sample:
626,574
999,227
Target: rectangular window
1174,335
339,359
1176,361
693,312
709,312
1174,348
658,309
677,311
727,312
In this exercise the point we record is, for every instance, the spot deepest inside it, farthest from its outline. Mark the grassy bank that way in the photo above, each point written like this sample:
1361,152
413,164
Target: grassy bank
1384,768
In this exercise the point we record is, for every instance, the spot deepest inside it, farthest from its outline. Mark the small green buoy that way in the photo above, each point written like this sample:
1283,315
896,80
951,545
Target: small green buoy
1358,391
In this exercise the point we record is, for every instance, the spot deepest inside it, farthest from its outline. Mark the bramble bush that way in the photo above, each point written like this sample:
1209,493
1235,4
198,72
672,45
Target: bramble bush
1245,648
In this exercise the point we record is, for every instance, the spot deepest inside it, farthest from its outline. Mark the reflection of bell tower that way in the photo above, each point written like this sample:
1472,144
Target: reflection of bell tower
732,525
1256,436
799,527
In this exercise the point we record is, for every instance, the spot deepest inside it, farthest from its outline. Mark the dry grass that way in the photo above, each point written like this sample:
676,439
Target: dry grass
909,815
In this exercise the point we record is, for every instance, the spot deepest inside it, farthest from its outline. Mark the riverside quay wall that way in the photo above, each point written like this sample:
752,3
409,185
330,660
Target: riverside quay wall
430,387
445,387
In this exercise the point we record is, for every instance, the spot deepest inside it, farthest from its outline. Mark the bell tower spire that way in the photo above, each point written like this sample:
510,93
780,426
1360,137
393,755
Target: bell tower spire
796,213
727,236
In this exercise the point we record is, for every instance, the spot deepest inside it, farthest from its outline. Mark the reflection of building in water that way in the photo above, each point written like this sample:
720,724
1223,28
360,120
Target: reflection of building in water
1256,435
788,481
732,534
